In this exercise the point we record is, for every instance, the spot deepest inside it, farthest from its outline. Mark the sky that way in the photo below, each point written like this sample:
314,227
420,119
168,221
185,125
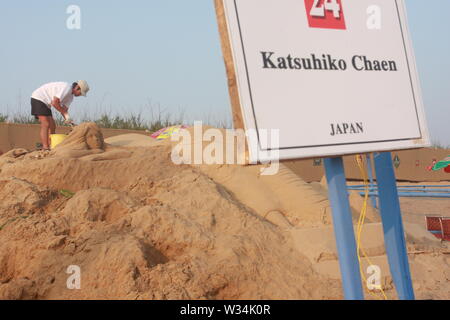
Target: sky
164,56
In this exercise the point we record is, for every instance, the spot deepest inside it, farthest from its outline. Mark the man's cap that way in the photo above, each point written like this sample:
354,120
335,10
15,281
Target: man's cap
83,86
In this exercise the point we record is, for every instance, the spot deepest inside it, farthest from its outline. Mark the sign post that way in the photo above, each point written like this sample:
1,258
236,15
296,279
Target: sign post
333,77
343,229
394,238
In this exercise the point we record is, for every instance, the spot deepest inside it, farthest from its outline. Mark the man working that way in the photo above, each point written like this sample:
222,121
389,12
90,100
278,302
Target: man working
60,96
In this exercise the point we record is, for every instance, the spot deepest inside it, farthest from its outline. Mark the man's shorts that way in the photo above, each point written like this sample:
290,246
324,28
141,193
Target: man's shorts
38,108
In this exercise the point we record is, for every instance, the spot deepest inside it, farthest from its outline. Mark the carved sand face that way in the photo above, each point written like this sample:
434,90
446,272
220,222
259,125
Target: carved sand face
94,139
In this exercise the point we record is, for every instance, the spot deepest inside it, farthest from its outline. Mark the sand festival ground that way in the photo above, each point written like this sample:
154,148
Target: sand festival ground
141,227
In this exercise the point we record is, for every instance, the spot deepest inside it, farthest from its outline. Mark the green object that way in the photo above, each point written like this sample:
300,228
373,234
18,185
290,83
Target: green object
396,162
442,164
67,193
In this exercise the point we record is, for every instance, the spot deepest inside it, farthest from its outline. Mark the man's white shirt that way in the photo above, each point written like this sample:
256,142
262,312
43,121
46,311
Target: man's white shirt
60,90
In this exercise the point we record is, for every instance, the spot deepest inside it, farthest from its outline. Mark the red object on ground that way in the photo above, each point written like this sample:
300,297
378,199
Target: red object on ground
447,169
439,227
445,222
434,226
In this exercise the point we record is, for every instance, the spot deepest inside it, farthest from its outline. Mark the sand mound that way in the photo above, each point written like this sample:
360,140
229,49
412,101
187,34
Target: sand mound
160,240
21,197
141,227
132,140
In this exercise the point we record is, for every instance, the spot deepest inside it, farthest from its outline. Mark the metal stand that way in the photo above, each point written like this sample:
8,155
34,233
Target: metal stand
394,238
343,229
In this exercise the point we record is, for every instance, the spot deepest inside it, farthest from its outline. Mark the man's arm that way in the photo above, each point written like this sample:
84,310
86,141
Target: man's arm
57,104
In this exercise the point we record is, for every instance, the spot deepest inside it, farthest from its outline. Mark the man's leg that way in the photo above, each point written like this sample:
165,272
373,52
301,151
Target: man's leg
52,128
45,130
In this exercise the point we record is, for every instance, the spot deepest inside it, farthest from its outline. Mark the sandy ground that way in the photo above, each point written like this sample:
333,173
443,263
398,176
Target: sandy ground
415,209
140,227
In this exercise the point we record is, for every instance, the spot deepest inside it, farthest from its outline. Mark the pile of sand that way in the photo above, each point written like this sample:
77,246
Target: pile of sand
142,227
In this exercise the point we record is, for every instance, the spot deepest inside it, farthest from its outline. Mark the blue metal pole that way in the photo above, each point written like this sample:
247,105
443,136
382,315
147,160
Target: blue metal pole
361,186
409,190
394,238
369,170
343,229
414,194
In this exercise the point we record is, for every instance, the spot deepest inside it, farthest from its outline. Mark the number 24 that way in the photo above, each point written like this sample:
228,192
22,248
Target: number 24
330,5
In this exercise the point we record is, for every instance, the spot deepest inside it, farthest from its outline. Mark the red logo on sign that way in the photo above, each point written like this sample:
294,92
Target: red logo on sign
327,14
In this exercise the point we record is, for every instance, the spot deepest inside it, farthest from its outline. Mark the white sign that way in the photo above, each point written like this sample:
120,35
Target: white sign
335,77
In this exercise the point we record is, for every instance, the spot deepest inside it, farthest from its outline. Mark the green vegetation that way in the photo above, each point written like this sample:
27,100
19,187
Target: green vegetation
66,193
132,122
438,145
18,118
129,122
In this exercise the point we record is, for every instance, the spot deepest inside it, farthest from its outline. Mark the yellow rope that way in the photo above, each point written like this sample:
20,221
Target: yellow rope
362,217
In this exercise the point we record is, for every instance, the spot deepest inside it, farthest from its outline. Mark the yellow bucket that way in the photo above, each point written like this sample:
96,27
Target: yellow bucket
56,139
